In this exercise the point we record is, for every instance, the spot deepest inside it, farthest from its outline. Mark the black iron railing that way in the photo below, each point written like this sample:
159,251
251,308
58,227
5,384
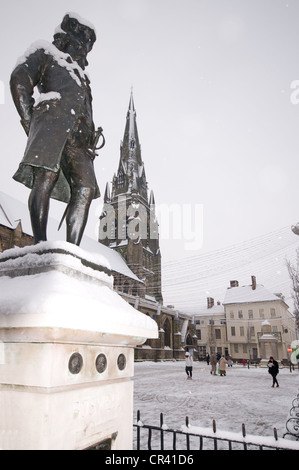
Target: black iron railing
292,423
149,437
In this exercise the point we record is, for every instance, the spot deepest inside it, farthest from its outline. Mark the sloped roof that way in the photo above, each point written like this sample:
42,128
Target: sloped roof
13,210
4,219
215,310
245,294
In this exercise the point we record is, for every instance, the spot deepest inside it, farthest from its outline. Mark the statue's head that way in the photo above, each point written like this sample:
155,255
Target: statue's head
76,37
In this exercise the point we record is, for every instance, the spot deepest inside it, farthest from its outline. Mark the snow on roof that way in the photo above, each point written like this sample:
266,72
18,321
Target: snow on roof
215,310
16,210
4,219
245,294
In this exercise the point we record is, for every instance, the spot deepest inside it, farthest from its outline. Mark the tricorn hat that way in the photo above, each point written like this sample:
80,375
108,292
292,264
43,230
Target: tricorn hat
83,30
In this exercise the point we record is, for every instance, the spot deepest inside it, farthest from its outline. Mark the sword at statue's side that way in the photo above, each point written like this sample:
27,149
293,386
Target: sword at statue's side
92,152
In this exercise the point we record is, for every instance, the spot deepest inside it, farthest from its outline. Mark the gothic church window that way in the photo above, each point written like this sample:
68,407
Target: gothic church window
134,291
120,180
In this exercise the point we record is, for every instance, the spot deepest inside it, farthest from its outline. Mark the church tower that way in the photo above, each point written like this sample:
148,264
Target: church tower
128,223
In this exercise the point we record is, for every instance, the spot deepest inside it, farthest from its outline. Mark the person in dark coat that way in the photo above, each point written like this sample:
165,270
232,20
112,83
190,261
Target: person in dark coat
273,369
58,159
213,363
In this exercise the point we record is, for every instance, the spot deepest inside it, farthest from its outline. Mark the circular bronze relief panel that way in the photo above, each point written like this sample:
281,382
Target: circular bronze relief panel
101,363
75,363
121,361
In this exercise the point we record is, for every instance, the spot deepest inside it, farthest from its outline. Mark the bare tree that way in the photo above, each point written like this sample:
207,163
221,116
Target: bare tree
293,270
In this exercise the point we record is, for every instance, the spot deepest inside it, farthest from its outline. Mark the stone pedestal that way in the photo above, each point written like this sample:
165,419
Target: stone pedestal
268,343
66,351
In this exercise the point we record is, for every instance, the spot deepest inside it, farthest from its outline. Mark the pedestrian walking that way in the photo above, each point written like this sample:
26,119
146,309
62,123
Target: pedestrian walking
208,358
189,365
222,365
213,364
273,369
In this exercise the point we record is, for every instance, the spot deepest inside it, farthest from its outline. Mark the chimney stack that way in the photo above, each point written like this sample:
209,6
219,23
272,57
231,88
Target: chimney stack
234,283
210,302
253,281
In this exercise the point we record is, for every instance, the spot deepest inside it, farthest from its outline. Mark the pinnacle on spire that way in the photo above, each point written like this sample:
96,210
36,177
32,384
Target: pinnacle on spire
152,198
107,196
131,117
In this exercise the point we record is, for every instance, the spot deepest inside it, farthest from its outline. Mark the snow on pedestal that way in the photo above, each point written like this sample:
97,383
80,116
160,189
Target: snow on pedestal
268,344
66,350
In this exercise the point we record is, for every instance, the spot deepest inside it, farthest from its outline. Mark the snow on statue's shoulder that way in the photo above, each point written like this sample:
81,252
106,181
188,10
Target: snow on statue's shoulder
63,59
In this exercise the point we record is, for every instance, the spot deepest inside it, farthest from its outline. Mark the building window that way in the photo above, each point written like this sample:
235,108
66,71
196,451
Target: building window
241,330
262,313
217,333
250,314
198,334
231,314
121,180
251,331
272,312
236,348
233,331
134,291
240,314
245,348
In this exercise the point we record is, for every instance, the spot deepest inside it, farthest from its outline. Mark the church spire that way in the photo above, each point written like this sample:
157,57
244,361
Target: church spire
130,145
131,173
128,223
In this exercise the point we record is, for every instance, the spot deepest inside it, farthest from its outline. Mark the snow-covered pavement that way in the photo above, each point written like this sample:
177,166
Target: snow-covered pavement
242,396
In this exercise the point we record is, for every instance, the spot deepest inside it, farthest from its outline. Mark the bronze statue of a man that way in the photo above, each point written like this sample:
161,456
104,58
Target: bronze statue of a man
58,160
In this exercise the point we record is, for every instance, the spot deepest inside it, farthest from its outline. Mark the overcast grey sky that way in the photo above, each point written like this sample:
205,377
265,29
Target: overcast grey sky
212,90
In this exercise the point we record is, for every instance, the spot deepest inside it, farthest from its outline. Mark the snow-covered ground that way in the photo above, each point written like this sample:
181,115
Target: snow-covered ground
242,396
